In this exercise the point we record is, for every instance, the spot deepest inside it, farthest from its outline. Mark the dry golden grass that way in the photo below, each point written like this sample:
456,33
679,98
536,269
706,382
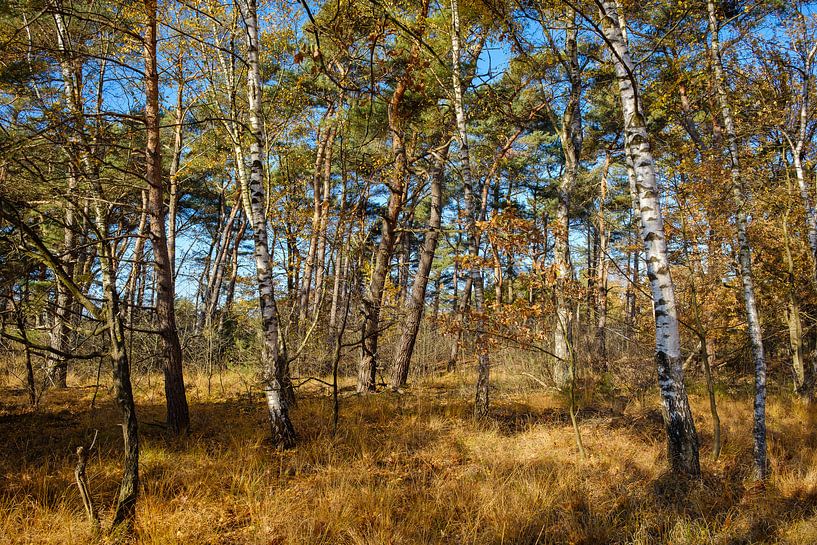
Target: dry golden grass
405,469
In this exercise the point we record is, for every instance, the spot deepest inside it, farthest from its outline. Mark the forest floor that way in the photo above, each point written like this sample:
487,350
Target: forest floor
404,469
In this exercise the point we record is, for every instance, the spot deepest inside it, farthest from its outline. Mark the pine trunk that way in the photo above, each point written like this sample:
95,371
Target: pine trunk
178,417
416,303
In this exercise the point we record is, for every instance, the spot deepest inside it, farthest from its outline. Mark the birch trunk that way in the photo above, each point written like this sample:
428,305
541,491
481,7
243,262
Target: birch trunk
744,251
682,439
798,150
481,399
274,358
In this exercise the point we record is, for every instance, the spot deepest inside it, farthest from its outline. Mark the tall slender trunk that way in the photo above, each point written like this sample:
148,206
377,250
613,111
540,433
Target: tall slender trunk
602,268
323,224
178,417
459,304
798,150
70,65
129,486
309,267
682,439
215,279
570,137
803,373
274,357
173,182
744,251
60,334
416,303
481,399
373,295
340,250
229,293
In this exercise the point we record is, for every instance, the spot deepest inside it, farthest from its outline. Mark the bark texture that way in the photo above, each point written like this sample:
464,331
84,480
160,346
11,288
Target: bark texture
682,439
744,251
481,398
178,416
416,303
373,294
274,358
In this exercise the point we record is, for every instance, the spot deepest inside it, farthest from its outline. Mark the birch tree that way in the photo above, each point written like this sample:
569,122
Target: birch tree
682,438
744,250
273,353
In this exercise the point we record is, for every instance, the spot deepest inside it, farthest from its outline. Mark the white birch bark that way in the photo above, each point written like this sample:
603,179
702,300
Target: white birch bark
682,439
744,251
274,356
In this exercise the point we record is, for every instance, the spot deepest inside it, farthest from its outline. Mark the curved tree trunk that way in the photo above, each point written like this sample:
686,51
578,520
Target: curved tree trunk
416,303
373,294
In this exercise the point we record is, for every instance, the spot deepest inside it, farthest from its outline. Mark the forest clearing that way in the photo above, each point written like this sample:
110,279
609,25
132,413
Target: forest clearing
408,468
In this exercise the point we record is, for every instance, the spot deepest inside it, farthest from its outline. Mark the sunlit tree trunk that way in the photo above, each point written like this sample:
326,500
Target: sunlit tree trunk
682,439
323,224
324,141
373,294
481,399
744,251
570,137
416,303
178,418
798,151
173,174
274,358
